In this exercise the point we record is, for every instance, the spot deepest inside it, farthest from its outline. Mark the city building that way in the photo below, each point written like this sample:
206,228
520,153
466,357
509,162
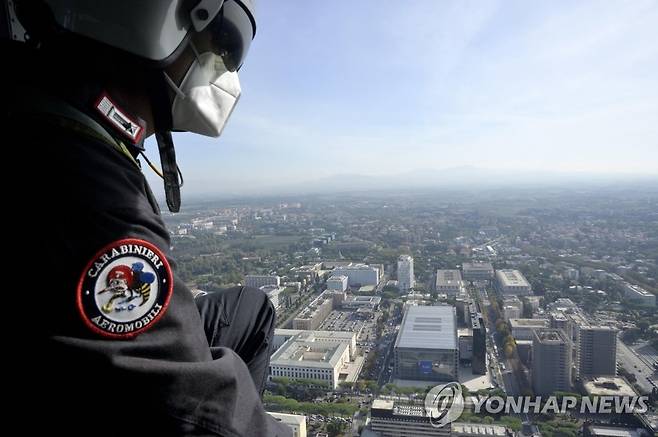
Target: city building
596,351
358,274
461,429
607,386
533,301
571,274
638,294
257,281
512,312
551,361
559,320
512,282
522,329
512,307
426,347
308,272
392,417
318,310
477,271
406,279
306,356
296,422
479,359
465,338
524,349
282,335
365,302
607,430
338,283
273,292
449,282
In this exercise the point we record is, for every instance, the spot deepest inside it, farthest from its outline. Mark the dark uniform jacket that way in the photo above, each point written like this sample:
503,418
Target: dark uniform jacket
86,193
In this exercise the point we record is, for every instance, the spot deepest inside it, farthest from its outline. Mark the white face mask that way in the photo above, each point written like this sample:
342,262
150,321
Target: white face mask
206,97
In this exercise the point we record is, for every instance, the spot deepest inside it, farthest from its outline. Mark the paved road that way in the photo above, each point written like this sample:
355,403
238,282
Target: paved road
630,361
646,353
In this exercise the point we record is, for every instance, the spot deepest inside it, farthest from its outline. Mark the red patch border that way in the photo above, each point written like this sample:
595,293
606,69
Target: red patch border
165,305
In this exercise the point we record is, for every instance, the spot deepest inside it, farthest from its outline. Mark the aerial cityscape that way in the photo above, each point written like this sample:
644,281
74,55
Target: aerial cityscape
381,296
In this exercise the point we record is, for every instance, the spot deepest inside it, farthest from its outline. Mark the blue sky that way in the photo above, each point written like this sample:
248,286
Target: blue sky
379,87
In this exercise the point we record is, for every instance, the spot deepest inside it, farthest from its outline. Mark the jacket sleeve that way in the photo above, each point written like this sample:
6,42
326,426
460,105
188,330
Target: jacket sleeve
163,379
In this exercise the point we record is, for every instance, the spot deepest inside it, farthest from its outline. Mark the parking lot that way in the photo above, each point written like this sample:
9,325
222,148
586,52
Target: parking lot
364,327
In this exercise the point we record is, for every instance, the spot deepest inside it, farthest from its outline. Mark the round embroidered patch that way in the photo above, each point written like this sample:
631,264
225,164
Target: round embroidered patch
124,289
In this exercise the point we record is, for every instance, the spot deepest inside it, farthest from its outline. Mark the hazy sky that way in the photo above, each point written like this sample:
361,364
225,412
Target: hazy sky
380,87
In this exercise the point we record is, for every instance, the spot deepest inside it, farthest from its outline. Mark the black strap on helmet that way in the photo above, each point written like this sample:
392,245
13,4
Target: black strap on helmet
170,172
160,103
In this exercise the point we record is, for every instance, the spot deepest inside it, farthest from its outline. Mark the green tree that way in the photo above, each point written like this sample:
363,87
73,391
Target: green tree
335,429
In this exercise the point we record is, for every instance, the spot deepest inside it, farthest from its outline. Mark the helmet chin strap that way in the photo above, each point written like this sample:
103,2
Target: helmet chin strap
161,107
170,171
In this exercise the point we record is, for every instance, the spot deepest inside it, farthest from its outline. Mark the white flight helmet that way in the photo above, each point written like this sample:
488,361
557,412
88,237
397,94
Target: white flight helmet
157,30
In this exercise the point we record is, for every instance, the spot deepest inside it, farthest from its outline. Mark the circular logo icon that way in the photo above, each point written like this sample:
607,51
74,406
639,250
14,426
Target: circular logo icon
444,404
124,289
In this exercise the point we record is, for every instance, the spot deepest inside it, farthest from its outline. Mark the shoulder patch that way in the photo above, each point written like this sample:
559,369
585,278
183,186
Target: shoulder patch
124,289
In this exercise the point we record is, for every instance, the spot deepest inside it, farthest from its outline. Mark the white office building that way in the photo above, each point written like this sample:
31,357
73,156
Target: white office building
273,292
309,356
393,417
257,281
406,279
522,329
478,271
296,422
512,282
358,274
282,335
449,282
639,295
338,283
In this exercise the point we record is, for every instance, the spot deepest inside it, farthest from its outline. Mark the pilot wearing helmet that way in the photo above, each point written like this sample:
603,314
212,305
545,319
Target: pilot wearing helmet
122,347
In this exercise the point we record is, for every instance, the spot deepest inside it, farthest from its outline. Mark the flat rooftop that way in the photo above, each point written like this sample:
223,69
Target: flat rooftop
477,266
608,386
448,277
551,336
528,323
297,352
479,429
428,327
512,278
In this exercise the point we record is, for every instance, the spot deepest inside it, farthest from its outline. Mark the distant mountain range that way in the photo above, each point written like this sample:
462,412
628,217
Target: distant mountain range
465,177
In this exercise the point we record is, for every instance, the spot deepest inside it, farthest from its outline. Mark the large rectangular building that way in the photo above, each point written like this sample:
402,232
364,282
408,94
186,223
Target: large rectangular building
296,422
596,351
305,356
257,281
478,271
406,279
522,329
318,310
449,282
283,335
479,360
551,361
338,283
426,347
396,418
512,282
358,274
639,295
273,292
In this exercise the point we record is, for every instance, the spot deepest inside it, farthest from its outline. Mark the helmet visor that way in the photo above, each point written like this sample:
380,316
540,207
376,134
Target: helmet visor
231,33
